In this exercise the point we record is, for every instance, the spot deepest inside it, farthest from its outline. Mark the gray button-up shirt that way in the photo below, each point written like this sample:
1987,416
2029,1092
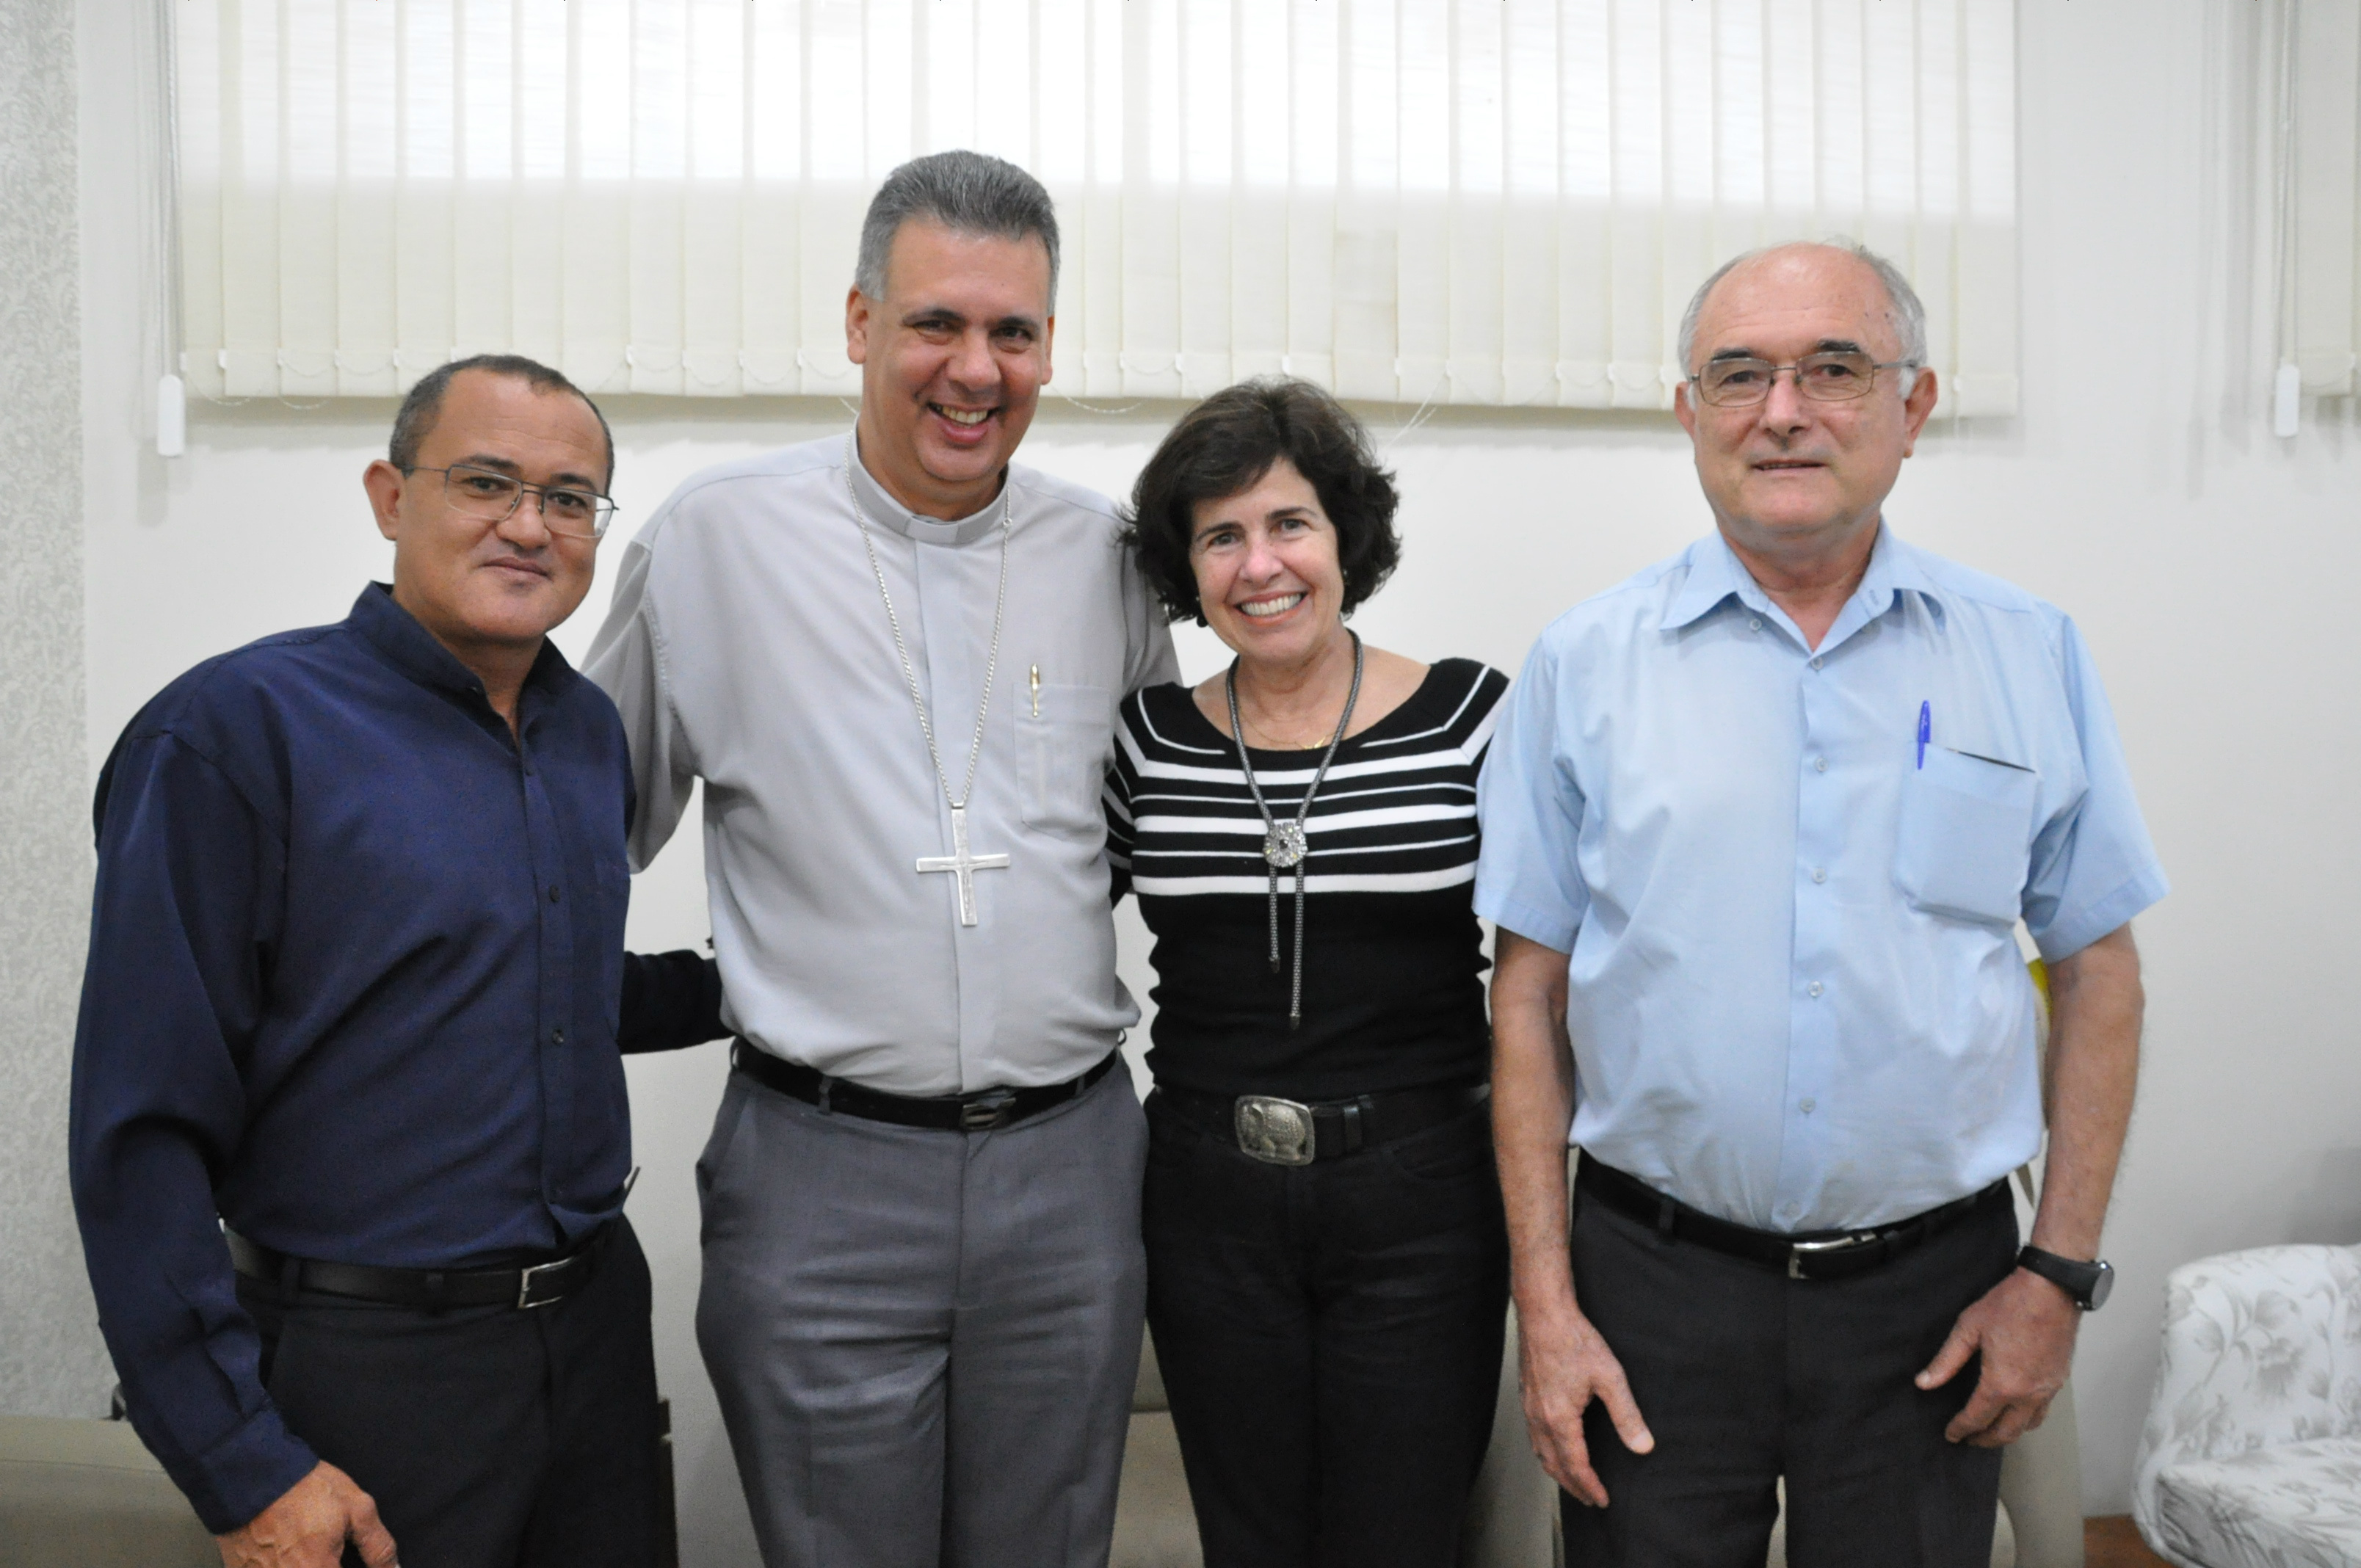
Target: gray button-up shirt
747,646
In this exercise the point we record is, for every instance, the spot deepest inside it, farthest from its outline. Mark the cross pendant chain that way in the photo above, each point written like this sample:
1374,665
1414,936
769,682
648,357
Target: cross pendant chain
963,863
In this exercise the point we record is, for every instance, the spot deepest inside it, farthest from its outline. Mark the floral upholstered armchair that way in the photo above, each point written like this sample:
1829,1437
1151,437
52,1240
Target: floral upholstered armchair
2251,1456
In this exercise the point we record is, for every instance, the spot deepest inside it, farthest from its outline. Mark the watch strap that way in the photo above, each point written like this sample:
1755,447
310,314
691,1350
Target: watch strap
2078,1279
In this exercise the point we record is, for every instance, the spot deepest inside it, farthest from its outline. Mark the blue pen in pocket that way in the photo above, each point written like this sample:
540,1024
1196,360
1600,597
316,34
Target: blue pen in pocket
1926,731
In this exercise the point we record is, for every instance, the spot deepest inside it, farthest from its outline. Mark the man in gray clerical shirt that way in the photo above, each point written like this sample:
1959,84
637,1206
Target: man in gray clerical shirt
894,658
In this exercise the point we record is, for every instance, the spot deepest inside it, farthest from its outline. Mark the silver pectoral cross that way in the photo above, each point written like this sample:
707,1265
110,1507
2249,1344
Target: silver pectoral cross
963,864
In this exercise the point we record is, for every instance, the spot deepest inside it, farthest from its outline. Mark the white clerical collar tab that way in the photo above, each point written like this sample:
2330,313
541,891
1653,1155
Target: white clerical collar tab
929,531
886,512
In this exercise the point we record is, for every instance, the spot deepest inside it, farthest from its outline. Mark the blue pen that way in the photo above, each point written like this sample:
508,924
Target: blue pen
1926,731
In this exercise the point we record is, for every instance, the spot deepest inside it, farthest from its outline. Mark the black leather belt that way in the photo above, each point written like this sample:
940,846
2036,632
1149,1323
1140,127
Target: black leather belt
985,1110
1293,1132
1819,1255
539,1285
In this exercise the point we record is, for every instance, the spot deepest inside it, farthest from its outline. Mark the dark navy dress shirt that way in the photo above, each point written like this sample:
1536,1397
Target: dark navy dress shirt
355,970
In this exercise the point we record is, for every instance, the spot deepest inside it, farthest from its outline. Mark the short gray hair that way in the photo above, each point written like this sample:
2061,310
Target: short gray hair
1905,313
967,192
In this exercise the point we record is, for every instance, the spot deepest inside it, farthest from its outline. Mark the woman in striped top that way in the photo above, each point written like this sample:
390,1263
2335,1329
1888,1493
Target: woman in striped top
1327,1262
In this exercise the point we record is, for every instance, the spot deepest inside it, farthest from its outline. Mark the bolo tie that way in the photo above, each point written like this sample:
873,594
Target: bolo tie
1284,844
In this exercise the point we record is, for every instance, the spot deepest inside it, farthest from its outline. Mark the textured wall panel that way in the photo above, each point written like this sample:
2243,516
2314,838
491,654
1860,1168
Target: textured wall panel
51,1359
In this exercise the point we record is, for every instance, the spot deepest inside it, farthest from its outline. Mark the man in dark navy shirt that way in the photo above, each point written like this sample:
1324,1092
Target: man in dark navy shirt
349,1139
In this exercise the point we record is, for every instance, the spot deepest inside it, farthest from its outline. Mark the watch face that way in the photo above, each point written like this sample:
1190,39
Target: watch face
2100,1287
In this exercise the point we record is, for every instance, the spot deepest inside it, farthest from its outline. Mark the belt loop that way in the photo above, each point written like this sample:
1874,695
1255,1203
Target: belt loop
1664,1216
1352,1135
291,1274
827,1087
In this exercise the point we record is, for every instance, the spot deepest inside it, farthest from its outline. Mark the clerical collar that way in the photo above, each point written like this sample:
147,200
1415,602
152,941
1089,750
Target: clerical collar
887,513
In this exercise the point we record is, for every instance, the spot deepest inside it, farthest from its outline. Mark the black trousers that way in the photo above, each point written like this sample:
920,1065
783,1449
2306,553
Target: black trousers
1745,1376
490,1437
1330,1339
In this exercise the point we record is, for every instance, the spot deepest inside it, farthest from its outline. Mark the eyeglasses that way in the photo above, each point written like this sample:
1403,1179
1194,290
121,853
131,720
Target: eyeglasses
1824,378
492,497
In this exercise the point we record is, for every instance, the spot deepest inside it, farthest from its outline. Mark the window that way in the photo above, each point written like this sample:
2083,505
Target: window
1485,201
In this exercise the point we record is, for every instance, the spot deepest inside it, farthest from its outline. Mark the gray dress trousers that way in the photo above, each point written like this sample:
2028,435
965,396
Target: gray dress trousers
925,1342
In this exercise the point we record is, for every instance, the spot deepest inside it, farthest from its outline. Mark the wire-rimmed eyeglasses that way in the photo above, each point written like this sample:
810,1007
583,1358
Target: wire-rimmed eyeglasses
1837,377
490,496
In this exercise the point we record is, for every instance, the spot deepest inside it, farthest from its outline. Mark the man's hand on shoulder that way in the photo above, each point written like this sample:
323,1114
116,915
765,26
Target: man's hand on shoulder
308,1526
2024,1329
1564,1365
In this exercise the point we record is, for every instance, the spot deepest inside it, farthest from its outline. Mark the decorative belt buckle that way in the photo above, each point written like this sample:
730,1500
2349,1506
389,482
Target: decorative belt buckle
1275,1131
1801,1253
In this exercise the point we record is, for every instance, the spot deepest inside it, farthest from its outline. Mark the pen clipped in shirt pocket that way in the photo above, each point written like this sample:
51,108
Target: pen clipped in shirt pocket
1964,835
1062,755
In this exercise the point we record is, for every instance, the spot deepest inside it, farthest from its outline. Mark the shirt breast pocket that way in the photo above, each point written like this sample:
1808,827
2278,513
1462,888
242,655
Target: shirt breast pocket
1966,829
1062,735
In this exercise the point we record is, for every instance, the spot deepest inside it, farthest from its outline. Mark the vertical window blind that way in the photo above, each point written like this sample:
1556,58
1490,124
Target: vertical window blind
2326,195
1479,202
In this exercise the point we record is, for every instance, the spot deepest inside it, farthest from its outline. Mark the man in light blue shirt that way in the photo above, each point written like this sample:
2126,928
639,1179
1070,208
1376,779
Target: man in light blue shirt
1759,825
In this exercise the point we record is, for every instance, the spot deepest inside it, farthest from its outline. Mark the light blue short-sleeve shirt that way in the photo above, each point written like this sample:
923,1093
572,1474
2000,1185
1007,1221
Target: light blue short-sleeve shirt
1796,996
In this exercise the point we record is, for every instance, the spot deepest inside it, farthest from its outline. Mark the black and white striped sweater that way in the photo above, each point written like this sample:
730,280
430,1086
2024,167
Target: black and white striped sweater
1392,994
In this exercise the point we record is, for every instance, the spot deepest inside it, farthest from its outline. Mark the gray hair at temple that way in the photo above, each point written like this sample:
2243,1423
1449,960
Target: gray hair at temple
967,192
1905,313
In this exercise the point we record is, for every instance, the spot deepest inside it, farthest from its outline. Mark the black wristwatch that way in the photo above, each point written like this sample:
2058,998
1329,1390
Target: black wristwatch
2088,1283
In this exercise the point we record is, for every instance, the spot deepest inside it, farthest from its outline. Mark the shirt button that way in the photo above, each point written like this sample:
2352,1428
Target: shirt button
1814,988
558,1037
1816,664
1819,874
552,894
1819,764
1754,623
1809,1106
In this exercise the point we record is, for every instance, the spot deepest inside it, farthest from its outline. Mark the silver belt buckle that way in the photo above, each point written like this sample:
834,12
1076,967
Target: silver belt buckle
1275,1131
524,1284
988,1111
1798,1251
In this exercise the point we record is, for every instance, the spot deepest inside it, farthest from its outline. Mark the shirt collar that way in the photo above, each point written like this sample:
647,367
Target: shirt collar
1895,569
880,508
1716,574
413,649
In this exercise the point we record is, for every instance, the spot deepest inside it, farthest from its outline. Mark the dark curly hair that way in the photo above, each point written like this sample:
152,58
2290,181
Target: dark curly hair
1225,445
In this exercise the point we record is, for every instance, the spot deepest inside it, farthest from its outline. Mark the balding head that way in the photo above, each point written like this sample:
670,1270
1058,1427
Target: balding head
1906,317
1814,400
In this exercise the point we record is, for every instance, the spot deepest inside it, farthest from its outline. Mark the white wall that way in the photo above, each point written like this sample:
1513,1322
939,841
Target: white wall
2205,562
